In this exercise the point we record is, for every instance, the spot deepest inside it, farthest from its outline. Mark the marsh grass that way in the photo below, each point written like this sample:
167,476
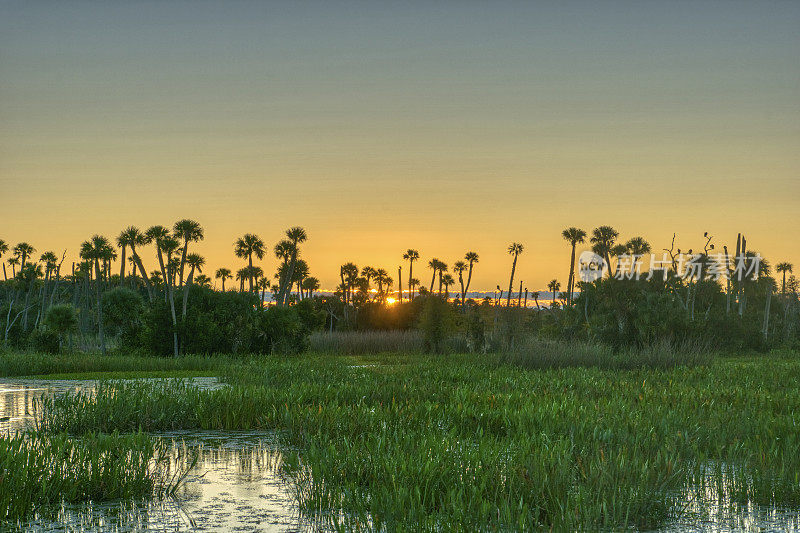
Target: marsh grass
37,470
409,342
457,442
541,353
34,363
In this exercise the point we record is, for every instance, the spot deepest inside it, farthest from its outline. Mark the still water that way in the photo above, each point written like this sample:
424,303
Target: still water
236,484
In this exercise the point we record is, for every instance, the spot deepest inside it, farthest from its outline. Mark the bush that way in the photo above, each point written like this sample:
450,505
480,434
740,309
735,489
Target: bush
123,313
279,330
62,319
45,340
435,323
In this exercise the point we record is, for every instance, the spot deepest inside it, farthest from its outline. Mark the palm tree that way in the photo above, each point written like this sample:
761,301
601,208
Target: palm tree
248,246
310,284
442,268
348,273
263,285
166,244
514,249
195,262
573,236
23,251
784,268
203,281
95,250
187,231
3,250
637,247
241,275
433,264
603,239
223,274
618,250
459,267
471,258
283,251
447,280
296,235
132,237
13,262
381,277
368,273
535,296
413,282
411,255
554,286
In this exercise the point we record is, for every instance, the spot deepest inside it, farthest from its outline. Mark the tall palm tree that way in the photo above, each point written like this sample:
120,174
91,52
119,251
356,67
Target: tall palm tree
784,268
296,235
433,264
13,262
368,273
202,281
459,267
3,250
23,251
246,247
471,258
283,251
95,250
133,237
442,268
195,262
573,236
381,276
223,274
514,249
166,244
411,255
348,273
603,239
618,250
554,286
187,231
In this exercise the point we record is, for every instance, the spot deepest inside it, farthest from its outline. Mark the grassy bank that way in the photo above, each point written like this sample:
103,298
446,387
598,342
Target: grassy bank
37,471
461,441
35,364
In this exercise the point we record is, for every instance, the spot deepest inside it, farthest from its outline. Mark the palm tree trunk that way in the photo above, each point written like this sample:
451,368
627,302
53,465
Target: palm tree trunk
100,329
433,278
183,261
571,279
143,272
122,266
410,276
400,284
511,282
249,271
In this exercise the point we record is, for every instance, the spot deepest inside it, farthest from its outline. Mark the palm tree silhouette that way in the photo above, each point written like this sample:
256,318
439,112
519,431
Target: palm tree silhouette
433,264
248,246
554,286
223,274
296,235
3,250
132,238
195,262
95,250
310,284
471,258
203,281
603,239
381,277
13,262
618,250
447,280
459,267
637,247
784,268
23,251
411,255
187,231
573,236
442,270
514,249
241,275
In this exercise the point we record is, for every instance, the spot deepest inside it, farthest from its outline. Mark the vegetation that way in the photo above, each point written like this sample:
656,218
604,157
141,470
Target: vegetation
474,443
39,470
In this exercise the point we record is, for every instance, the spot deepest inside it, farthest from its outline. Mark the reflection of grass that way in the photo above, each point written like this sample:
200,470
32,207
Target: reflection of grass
38,470
458,442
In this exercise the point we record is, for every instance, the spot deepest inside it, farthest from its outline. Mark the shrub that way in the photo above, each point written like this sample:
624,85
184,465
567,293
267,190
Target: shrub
435,323
62,319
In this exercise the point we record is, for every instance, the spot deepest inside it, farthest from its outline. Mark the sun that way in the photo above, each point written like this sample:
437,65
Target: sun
391,301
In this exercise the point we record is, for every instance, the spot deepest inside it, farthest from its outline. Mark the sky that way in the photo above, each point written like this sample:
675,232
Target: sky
382,126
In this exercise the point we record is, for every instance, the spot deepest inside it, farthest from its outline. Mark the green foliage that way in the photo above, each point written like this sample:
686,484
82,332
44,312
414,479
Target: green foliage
429,444
476,332
123,312
280,330
435,322
45,340
62,319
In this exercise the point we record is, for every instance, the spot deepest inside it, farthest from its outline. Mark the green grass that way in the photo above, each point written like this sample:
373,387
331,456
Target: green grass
130,374
37,471
460,442
35,364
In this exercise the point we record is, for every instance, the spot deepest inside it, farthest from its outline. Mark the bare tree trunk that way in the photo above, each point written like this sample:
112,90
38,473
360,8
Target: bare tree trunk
511,281
571,279
400,284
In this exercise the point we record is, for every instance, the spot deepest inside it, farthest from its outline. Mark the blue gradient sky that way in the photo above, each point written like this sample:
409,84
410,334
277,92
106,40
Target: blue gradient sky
383,126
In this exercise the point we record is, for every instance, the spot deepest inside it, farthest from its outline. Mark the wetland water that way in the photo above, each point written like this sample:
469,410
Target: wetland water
236,484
